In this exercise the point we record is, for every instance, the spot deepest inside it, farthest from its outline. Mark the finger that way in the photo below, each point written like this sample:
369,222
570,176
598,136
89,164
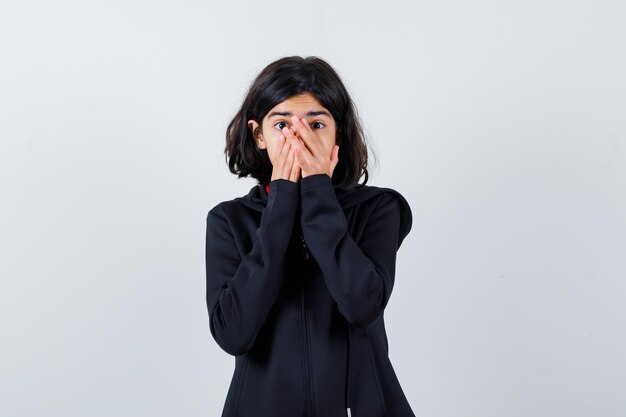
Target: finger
295,168
288,164
304,156
284,152
323,145
281,145
313,143
293,139
289,134
305,124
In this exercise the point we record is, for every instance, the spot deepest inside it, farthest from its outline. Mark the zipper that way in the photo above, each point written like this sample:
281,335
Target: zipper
308,400
305,249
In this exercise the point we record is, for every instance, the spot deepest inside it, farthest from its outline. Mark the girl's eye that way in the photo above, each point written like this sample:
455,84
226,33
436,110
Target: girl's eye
282,124
279,123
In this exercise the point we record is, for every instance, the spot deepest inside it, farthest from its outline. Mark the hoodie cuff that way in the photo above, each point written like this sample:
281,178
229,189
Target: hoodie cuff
284,185
315,180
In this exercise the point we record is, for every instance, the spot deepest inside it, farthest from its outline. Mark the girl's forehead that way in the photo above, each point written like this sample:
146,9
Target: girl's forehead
302,99
302,105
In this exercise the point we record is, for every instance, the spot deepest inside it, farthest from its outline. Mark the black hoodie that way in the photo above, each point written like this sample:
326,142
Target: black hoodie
296,285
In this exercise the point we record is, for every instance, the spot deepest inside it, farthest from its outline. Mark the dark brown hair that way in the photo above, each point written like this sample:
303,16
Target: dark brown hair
278,81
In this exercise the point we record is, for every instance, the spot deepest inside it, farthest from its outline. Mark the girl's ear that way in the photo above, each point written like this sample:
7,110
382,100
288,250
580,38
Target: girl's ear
254,127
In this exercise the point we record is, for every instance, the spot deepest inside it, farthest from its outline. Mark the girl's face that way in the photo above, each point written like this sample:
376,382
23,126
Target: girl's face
303,105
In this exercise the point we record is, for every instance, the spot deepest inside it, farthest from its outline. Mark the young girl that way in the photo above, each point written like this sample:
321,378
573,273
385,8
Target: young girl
299,270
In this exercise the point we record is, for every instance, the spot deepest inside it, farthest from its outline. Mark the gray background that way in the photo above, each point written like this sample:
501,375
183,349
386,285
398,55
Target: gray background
502,123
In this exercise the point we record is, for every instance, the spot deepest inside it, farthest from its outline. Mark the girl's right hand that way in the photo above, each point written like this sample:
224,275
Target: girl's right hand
286,166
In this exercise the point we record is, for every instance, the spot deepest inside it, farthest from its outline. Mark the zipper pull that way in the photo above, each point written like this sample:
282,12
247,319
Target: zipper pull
305,250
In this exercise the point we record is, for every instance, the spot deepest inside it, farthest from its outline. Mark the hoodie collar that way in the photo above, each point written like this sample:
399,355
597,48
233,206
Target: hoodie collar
256,199
257,196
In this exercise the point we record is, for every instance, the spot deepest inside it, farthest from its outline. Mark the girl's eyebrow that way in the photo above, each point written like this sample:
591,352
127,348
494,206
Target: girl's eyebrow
310,114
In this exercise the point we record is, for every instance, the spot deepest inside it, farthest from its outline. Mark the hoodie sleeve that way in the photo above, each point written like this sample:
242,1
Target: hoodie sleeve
359,277
241,291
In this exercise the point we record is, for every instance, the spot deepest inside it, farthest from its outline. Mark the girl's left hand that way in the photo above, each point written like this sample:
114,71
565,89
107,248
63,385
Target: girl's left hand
314,155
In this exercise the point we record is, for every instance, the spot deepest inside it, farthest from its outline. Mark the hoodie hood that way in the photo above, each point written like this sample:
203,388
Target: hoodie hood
256,199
